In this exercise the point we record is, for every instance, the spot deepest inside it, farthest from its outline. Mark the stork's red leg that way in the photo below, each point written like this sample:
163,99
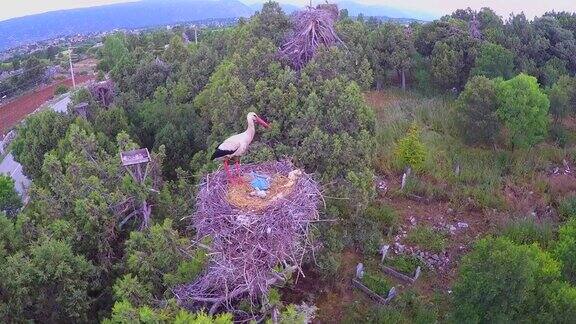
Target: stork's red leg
227,169
238,167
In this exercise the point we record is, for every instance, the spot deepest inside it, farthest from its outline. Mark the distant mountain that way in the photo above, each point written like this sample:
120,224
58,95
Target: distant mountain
146,13
354,9
29,29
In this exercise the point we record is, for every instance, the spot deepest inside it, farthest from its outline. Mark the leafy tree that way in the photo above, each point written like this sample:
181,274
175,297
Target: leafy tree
148,77
11,236
552,71
111,121
523,108
124,312
494,61
161,258
563,97
113,52
447,65
10,201
359,51
176,52
565,249
195,73
394,48
270,22
476,112
48,284
491,287
37,136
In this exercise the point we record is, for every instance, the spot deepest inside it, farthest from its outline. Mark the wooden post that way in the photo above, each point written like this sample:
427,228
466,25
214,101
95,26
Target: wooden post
384,251
405,177
359,271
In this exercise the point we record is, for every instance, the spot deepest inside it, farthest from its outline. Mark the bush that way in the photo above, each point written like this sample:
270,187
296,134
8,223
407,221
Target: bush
503,282
410,151
61,89
523,107
565,250
10,201
567,208
476,112
427,238
494,61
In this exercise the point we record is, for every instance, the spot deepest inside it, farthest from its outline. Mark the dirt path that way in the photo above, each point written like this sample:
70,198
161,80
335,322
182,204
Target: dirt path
15,111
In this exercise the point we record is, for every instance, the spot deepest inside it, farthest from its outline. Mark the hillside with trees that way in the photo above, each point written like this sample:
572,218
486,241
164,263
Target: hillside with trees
451,145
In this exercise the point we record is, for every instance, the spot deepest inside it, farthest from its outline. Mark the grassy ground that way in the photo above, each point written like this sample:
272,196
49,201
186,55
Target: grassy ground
461,194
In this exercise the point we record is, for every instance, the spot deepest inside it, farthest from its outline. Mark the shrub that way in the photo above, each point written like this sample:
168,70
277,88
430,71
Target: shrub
523,107
410,151
61,89
427,238
494,61
567,208
559,134
565,249
503,282
476,112
10,201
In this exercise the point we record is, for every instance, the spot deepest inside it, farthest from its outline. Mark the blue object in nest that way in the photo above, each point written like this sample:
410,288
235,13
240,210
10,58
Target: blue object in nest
260,182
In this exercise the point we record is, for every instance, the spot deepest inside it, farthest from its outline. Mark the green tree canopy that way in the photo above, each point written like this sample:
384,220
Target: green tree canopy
10,201
494,61
523,108
36,137
476,112
500,282
48,283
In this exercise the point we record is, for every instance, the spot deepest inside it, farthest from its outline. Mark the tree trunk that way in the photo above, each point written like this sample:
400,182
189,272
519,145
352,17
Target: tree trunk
403,80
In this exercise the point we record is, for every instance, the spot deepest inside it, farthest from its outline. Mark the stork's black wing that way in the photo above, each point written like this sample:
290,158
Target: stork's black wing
220,153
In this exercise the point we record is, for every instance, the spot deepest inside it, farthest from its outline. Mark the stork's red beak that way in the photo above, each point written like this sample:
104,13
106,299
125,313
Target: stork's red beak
262,122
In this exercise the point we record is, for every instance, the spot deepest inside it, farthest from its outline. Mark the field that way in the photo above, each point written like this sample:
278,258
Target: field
13,112
441,215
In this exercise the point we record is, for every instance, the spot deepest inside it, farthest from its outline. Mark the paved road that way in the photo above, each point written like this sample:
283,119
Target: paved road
62,105
14,169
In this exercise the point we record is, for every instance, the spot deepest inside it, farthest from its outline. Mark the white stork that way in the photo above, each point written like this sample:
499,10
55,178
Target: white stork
236,145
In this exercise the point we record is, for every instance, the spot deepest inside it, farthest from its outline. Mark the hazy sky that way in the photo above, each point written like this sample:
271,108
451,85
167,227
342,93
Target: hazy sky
17,8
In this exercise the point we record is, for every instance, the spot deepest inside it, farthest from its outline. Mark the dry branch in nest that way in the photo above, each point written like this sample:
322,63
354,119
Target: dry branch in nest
103,92
251,249
312,28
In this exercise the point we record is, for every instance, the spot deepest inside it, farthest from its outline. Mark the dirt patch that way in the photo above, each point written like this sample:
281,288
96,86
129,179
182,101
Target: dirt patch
13,112
332,299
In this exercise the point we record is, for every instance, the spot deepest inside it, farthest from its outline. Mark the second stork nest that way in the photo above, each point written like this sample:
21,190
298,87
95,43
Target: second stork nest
255,242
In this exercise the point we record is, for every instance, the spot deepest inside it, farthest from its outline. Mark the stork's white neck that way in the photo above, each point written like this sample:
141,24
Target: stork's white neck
251,130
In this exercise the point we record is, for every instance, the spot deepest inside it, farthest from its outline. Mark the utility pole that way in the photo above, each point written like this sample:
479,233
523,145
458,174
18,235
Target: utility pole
72,68
195,34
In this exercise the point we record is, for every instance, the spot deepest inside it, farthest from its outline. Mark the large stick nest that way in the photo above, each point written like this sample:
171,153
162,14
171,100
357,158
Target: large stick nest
312,27
250,249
